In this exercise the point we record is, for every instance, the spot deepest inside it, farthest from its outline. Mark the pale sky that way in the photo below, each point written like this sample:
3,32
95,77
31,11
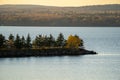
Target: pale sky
61,2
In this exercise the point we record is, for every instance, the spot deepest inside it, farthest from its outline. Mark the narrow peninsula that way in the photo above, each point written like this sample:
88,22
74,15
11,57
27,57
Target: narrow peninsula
42,45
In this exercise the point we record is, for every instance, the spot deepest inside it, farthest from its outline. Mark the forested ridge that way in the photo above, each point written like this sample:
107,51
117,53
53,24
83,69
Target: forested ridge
37,15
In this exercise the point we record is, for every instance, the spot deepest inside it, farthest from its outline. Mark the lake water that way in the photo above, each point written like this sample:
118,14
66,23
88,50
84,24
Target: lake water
103,66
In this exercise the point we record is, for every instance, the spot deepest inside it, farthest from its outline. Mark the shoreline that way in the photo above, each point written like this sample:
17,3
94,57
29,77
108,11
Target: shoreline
9,53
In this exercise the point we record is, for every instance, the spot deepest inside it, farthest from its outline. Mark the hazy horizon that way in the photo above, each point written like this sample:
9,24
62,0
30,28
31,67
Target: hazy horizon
55,6
61,3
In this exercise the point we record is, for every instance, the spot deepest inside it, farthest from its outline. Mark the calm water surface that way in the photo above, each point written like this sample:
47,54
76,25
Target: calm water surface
104,66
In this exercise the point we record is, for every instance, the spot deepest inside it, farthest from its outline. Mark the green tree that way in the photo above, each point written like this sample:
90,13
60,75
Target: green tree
34,45
28,41
2,40
17,42
23,41
10,42
43,41
11,37
60,40
37,41
51,41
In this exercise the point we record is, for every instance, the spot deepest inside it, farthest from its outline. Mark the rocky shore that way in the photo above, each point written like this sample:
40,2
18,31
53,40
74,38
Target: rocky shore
43,52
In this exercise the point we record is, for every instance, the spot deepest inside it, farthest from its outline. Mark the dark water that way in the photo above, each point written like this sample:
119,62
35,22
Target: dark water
104,66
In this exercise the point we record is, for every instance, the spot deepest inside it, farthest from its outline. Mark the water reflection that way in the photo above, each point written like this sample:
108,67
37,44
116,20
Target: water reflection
86,67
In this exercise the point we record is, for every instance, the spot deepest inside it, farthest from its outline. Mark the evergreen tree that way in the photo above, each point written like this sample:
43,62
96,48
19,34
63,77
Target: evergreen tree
2,40
11,37
45,41
18,43
23,42
51,41
60,40
28,41
10,42
37,41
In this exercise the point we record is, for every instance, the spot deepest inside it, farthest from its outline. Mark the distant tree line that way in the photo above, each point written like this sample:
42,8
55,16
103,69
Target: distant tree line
52,16
73,19
40,42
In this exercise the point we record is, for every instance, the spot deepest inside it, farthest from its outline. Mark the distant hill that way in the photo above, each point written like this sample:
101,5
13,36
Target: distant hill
38,15
112,7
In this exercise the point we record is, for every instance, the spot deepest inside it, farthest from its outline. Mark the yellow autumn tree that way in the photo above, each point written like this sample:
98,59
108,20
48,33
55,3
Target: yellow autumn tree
74,42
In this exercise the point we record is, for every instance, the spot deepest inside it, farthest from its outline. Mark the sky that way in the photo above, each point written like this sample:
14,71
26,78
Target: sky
61,2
